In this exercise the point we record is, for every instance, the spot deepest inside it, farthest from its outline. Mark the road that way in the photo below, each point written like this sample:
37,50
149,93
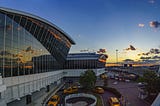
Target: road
105,97
129,90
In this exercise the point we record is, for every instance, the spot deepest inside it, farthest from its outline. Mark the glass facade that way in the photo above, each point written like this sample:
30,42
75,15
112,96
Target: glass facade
29,46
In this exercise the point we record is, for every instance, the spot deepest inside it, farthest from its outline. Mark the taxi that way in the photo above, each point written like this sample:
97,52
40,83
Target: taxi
99,90
70,90
113,101
54,100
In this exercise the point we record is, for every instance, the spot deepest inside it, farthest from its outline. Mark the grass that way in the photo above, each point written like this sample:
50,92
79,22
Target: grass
99,100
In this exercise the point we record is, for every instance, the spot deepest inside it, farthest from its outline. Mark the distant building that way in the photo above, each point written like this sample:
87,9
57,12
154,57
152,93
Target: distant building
130,65
125,65
85,61
78,63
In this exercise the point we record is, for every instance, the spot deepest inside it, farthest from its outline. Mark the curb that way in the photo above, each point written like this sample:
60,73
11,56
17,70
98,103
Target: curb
102,100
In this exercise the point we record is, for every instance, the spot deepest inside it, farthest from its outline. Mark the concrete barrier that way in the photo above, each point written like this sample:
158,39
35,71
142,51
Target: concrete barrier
80,95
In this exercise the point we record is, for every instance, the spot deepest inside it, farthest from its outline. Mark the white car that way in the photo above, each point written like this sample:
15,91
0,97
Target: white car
116,78
127,80
115,83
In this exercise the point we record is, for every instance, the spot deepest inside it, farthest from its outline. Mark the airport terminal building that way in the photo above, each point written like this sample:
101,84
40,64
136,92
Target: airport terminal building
33,55
26,41
78,63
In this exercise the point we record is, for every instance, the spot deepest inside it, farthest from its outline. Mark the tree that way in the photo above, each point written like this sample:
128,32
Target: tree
88,79
152,82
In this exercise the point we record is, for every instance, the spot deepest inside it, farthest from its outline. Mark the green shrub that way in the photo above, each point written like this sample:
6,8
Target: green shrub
99,101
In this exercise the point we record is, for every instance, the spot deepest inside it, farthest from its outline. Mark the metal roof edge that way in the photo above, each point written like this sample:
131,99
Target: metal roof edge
38,18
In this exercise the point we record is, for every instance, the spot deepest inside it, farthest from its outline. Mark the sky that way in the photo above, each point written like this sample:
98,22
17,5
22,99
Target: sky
122,25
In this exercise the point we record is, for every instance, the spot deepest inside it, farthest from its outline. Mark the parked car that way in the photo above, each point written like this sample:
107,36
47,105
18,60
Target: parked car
127,80
99,90
113,101
115,83
77,84
54,100
103,76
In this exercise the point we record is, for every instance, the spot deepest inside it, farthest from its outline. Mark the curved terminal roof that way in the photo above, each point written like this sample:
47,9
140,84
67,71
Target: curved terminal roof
54,39
38,18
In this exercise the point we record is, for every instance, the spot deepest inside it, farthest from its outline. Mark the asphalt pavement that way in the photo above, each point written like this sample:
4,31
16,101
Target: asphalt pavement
129,91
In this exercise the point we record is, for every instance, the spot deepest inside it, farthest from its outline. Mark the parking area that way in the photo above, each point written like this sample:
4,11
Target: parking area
129,91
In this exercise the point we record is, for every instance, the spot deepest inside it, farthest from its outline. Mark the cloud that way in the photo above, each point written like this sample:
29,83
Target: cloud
103,56
29,49
144,54
141,25
131,47
154,24
145,58
84,50
17,55
79,36
151,1
150,58
156,57
153,51
5,53
128,60
101,51
150,61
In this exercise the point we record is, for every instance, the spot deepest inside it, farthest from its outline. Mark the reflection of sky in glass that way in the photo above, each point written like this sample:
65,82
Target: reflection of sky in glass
24,45
17,50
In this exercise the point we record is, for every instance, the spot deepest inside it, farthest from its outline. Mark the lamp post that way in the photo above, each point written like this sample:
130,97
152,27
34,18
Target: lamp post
117,56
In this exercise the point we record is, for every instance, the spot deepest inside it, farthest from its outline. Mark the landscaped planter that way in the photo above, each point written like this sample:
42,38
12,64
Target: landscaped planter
91,99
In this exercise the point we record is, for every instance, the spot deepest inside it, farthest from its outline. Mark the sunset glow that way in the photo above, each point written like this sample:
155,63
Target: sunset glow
131,27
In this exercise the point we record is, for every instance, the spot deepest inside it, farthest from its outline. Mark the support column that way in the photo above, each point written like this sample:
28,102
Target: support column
48,88
28,99
2,96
